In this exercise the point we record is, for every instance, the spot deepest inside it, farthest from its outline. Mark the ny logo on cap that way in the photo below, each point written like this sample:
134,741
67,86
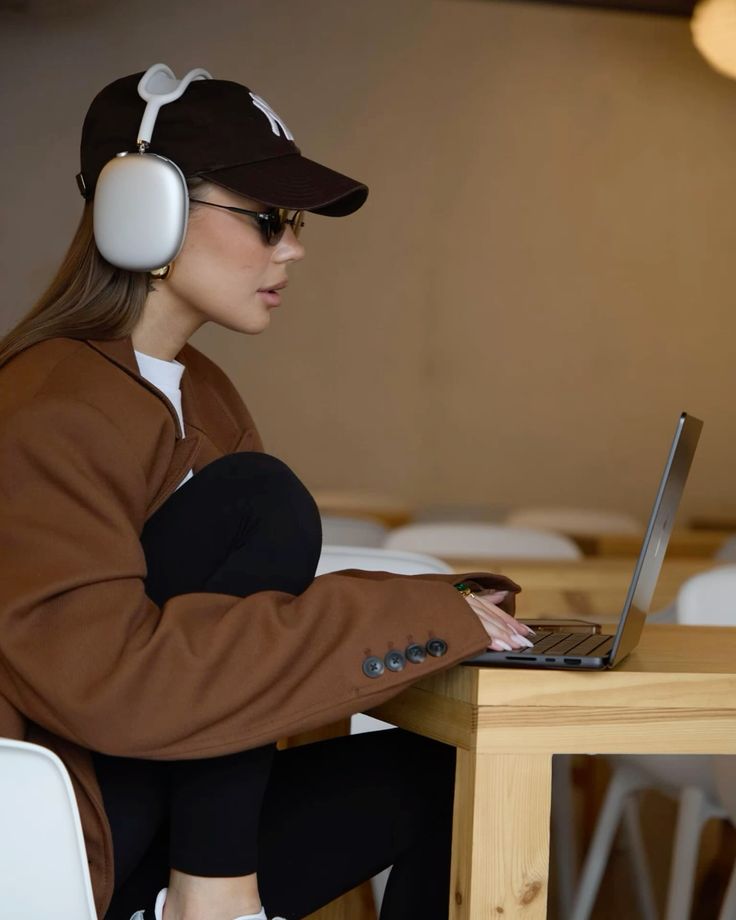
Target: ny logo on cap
273,118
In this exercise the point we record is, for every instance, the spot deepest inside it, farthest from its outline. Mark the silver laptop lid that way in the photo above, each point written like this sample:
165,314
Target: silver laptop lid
656,538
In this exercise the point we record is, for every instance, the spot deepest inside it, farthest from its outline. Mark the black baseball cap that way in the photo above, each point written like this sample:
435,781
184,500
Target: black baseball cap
220,131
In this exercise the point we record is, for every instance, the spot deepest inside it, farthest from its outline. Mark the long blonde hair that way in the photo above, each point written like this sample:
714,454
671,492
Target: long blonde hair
87,299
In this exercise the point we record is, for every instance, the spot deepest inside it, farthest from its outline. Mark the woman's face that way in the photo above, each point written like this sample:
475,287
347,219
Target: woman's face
224,270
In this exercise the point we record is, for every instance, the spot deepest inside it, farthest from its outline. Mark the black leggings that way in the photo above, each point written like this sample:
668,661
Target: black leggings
313,821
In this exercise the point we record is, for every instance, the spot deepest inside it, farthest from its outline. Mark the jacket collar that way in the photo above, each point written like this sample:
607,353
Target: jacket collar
121,352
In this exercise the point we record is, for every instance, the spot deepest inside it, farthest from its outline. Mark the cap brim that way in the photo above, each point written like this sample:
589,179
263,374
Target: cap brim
293,182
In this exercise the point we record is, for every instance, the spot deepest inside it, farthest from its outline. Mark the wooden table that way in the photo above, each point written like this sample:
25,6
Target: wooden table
591,588
382,508
676,693
682,543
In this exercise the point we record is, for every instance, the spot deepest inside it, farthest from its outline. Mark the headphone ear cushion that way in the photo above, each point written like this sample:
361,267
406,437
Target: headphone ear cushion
140,211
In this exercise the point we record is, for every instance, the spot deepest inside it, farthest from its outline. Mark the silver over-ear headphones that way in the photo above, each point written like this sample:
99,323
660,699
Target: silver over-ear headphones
141,202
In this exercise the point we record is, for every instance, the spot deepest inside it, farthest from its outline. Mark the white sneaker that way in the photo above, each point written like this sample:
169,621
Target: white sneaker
158,910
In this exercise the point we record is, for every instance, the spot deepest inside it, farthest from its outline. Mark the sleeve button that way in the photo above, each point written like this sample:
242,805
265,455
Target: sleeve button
373,666
395,661
415,653
437,647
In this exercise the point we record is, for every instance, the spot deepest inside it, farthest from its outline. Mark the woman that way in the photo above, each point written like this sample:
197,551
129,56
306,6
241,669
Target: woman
161,625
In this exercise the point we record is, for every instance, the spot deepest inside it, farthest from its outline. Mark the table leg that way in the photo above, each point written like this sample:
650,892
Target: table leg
500,852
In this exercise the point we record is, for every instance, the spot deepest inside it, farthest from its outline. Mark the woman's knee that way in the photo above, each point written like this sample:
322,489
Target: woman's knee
279,529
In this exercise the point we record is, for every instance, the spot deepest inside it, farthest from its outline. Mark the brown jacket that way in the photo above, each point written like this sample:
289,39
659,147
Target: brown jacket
89,449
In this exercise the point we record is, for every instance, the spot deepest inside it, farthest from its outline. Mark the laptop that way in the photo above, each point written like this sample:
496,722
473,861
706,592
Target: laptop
587,650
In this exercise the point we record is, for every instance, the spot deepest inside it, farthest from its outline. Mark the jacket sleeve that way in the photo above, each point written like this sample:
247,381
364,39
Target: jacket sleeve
88,656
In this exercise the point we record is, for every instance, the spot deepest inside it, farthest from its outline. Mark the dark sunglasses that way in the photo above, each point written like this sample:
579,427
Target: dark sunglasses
271,223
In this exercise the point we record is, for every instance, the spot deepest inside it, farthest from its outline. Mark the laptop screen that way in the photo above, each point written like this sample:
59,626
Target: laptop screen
656,538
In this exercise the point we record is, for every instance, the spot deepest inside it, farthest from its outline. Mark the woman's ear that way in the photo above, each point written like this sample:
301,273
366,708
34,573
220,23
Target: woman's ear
198,187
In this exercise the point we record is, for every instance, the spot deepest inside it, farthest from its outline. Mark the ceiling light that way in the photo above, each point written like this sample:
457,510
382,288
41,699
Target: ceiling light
714,33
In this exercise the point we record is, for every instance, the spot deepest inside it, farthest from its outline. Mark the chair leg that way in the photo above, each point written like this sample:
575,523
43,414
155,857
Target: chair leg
623,783
378,886
563,831
638,858
694,810
728,908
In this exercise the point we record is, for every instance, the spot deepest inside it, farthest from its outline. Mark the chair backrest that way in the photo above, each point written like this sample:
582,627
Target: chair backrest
708,599
576,521
352,531
43,863
474,540
336,558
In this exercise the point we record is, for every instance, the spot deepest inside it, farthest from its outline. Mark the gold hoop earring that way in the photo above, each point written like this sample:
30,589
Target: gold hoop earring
161,273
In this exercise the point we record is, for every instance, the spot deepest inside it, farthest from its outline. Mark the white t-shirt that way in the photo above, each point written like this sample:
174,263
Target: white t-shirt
166,376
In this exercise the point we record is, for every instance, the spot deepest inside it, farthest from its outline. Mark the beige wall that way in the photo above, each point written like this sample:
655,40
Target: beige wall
541,279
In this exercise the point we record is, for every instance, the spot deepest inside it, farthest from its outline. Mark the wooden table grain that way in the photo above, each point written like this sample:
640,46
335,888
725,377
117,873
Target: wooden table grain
675,694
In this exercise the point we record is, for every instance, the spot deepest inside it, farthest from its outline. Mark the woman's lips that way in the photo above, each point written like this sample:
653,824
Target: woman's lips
272,295
272,298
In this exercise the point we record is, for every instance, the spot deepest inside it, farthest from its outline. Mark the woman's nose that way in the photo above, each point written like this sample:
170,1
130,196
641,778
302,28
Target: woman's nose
289,248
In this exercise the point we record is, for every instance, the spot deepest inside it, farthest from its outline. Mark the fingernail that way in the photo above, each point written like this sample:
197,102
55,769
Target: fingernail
504,646
524,641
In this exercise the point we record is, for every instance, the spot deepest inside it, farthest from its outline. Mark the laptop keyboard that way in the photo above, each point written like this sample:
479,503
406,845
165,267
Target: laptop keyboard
581,645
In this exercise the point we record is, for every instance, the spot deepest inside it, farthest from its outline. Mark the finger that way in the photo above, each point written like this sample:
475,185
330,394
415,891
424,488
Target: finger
498,624
499,631
495,597
514,624
499,646
510,621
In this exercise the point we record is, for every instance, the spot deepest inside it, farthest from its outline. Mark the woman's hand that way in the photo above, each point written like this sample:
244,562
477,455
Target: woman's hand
505,633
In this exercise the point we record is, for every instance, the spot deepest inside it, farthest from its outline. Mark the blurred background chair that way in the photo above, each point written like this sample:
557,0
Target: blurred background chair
708,599
335,558
575,521
352,531
43,863
474,540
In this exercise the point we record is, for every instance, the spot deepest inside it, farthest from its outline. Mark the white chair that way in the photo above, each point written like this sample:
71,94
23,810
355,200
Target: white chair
43,863
709,599
338,558
352,531
705,600
575,521
454,540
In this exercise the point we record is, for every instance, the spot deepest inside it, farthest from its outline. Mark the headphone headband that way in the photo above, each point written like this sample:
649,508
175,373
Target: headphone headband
158,86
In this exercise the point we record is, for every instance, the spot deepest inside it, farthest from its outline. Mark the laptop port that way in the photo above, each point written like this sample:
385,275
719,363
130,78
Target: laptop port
572,660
